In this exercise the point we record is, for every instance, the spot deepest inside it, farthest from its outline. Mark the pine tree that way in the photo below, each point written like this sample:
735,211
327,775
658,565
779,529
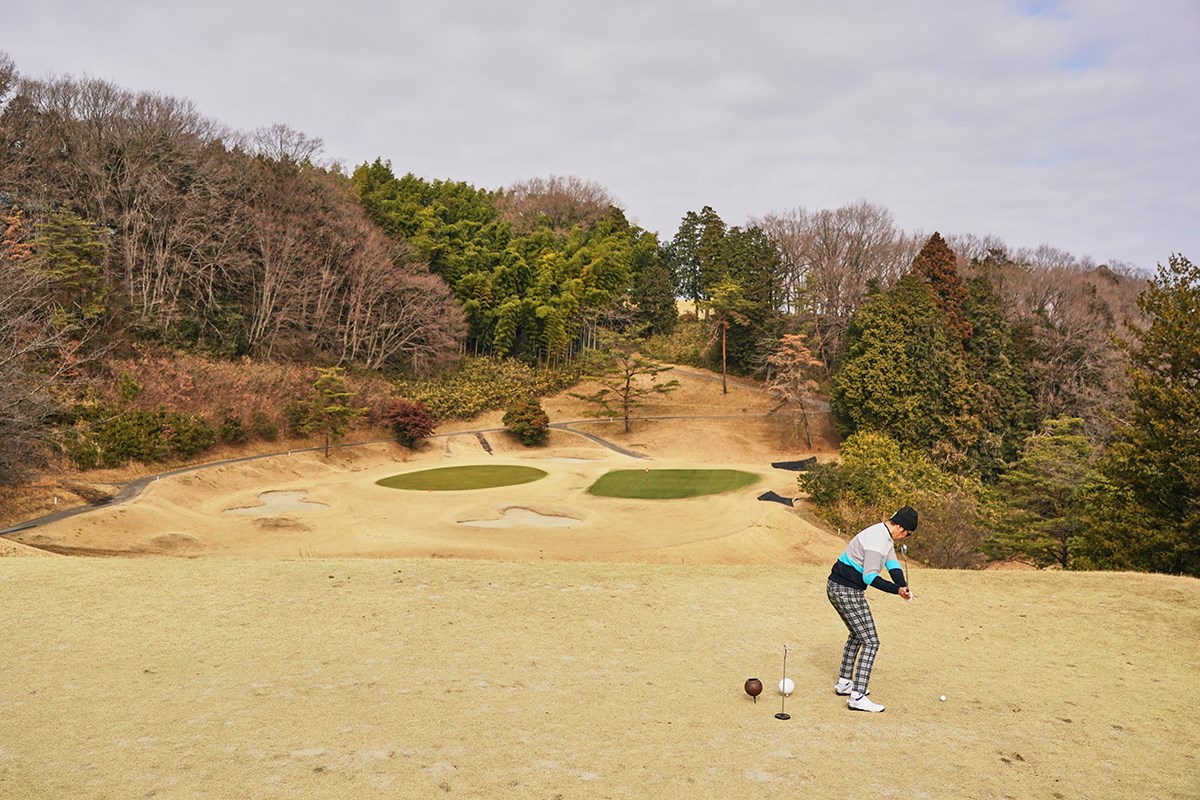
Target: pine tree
626,379
726,307
1002,397
330,410
1153,464
1045,495
904,374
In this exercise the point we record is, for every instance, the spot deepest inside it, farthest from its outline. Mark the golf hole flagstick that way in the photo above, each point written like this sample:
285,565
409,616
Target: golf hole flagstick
782,684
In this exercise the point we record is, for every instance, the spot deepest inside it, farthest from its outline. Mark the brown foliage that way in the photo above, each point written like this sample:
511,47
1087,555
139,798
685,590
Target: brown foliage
559,202
266,254
411,422
1065,319
245,389
937,265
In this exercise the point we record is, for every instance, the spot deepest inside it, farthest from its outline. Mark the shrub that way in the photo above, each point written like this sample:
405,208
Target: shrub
231,430
105,437
184,435
687,344
411,421
262,426
484,384
528,421
295,416
875,476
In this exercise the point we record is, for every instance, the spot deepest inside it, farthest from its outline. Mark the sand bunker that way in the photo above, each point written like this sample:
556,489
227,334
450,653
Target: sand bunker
512,517
278,503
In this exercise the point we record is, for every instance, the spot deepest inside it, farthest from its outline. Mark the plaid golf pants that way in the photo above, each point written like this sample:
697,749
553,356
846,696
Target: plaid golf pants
863,642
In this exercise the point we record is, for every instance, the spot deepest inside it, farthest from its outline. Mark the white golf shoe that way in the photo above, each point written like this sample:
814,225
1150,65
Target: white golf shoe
860,702
843,688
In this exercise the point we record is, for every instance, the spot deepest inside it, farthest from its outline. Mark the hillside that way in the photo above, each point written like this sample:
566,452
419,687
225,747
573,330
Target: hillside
187,514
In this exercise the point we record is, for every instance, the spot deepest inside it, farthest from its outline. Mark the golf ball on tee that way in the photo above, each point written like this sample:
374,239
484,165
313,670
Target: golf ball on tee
786,686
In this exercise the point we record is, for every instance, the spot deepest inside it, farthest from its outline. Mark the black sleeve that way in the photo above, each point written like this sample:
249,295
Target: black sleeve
885,585
892,586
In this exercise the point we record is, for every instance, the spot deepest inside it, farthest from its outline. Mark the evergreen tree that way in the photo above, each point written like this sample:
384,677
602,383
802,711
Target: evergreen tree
706,257
904,374
452,224
653,294
726,307
1151,509
627,379
754,263
937,265
536,296
1002,398
1045,496
697,254
70,251
330,410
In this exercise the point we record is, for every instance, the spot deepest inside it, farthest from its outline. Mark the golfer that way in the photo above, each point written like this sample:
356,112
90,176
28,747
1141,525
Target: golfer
862,564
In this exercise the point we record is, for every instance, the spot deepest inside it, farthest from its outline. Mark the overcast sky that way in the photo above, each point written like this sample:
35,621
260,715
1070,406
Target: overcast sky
1073,123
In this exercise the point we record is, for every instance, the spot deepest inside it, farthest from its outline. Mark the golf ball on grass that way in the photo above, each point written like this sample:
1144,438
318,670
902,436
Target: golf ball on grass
786,686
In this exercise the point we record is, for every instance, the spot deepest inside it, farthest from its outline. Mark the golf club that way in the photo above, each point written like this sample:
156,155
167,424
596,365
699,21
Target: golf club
904,554
783,695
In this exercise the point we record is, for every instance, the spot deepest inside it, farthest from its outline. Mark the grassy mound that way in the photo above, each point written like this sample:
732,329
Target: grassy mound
450,479
670,484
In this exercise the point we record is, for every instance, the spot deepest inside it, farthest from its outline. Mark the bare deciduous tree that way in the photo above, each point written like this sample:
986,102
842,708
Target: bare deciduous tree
1067,317
833,257
788,231
130,162
395,312
557,201
280,142
8,76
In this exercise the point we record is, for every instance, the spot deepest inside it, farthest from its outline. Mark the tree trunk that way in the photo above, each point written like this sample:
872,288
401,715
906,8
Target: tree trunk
724,385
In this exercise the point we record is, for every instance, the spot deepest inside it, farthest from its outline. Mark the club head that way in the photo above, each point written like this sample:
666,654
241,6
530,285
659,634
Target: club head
904,549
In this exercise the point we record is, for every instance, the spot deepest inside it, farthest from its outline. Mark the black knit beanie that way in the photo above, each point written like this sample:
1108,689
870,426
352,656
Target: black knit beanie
906,518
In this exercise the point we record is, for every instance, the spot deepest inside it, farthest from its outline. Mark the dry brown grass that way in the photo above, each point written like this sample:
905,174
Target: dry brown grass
580,663
413,678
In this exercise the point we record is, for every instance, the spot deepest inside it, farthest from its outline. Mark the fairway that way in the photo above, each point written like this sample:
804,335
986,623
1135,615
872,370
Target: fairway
406,679
451,479
670,484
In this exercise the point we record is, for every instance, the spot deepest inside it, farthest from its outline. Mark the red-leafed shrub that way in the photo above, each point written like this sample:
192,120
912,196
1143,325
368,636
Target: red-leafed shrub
411,422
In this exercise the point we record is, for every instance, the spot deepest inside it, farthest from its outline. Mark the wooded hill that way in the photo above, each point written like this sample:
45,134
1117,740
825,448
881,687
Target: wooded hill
1041,407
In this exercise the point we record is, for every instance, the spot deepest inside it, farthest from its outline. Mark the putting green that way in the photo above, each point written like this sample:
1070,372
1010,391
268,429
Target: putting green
450,479
669,484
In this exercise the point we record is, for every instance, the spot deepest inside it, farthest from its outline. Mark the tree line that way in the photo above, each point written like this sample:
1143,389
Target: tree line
1021,392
